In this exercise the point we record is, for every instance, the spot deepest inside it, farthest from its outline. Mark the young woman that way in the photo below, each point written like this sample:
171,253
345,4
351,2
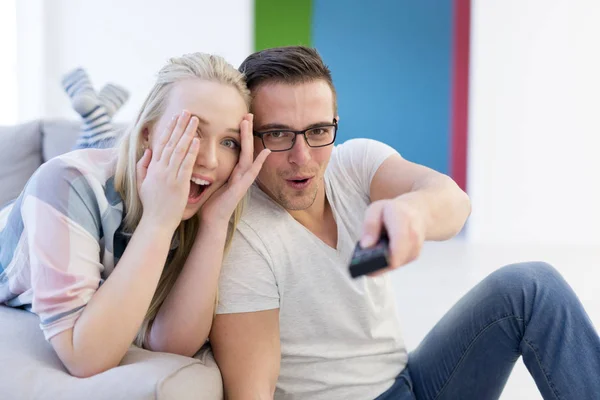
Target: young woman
112,246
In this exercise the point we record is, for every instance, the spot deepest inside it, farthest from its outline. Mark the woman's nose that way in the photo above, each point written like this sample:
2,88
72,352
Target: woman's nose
207,155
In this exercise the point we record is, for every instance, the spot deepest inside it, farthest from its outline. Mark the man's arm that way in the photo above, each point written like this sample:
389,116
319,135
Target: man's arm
247,350
414,203
439,200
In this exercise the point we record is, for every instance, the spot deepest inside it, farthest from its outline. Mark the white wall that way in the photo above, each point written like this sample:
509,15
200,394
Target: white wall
534,129
122,41
8,66
534,150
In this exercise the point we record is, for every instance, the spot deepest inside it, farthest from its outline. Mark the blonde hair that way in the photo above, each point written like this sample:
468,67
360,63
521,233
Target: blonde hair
190,66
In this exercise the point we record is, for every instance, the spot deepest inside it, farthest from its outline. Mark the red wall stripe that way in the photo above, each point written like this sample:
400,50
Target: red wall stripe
460,91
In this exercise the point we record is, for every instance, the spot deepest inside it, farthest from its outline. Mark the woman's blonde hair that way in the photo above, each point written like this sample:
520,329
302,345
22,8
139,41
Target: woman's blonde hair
190,66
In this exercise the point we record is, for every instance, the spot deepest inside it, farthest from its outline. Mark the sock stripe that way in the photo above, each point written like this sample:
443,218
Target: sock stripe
111,100
91,135
113,97
118,94
71,79
74,87
89,129
99,144
111,92
91,112
99,112
96,135
92,120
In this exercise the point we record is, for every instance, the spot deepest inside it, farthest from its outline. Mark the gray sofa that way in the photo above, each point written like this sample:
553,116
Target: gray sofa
29,368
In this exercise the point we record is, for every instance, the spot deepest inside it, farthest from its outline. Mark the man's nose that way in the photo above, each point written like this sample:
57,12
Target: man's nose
300,153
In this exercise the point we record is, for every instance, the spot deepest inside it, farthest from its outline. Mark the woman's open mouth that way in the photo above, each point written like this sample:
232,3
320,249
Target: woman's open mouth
197,188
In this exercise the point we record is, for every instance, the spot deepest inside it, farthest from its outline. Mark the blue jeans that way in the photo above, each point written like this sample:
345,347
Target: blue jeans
520,310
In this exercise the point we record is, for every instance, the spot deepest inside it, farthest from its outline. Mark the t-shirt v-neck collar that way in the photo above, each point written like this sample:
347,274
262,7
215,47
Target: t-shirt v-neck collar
317,239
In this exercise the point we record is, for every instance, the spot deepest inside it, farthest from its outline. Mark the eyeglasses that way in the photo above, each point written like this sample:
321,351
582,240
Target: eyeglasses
284,139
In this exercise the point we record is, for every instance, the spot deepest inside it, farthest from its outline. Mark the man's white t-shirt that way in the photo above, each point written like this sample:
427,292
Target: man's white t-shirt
340,337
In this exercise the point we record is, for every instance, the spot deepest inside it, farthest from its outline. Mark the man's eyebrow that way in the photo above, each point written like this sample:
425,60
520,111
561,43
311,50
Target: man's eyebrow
204,121
276,125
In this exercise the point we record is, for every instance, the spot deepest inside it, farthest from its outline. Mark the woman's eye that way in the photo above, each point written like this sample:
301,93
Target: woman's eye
232,144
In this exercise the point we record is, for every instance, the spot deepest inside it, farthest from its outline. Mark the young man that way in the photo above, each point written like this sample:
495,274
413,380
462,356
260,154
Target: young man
293,324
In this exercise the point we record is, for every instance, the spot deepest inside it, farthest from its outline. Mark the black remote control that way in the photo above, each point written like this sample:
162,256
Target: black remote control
366,261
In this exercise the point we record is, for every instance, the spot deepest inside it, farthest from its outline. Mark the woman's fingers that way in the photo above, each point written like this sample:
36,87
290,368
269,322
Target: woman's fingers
180,151
164,138
176,133
187,165
247,144
244,179
142,167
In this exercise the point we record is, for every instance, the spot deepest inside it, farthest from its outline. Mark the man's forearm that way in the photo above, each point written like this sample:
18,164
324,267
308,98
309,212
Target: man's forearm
442,205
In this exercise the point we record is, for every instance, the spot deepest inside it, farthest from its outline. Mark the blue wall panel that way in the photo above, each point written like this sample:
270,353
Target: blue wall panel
391,62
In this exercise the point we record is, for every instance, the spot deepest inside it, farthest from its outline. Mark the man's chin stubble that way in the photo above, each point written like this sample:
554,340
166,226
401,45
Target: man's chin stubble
289,205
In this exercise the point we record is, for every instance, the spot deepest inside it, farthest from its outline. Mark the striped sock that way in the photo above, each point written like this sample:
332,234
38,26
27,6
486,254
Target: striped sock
97,129
113,97
78,86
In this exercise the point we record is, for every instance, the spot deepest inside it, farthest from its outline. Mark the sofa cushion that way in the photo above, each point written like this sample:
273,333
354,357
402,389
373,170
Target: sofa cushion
20,156
30,369
60,136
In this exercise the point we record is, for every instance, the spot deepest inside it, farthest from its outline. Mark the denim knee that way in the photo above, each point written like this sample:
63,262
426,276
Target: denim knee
526,278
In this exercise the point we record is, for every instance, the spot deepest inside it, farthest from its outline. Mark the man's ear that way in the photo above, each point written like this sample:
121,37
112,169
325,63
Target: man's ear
337,118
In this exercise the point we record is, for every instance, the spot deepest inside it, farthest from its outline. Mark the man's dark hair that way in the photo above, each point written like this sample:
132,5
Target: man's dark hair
290,64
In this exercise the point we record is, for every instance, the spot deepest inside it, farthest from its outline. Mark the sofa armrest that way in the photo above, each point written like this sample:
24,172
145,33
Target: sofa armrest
30,369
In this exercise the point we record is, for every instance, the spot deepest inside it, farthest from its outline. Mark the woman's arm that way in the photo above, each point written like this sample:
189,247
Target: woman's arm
184,320
111,318
110,321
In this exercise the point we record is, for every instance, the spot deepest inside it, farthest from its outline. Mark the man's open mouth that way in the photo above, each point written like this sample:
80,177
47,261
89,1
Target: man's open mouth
299,182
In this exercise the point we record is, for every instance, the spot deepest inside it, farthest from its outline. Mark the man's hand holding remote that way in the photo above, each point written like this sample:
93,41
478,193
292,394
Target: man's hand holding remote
404,226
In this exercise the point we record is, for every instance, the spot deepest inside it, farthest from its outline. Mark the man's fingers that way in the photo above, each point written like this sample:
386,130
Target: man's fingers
416,244
404,241
372,224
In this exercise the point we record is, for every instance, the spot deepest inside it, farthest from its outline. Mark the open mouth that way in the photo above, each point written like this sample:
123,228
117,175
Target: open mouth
299,184
197,188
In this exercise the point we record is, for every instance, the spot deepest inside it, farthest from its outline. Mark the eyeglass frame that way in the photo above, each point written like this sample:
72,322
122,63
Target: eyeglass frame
296,133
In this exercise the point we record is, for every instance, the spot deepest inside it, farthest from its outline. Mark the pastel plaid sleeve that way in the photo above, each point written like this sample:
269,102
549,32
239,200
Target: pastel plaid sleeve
62,224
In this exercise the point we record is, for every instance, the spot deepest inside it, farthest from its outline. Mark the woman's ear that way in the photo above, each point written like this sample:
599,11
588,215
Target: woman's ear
145,137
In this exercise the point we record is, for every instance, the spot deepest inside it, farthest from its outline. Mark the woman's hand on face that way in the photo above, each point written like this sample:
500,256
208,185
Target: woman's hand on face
164,173
222,203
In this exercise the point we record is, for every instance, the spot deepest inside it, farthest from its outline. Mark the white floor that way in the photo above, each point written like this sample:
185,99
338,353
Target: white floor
427,288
